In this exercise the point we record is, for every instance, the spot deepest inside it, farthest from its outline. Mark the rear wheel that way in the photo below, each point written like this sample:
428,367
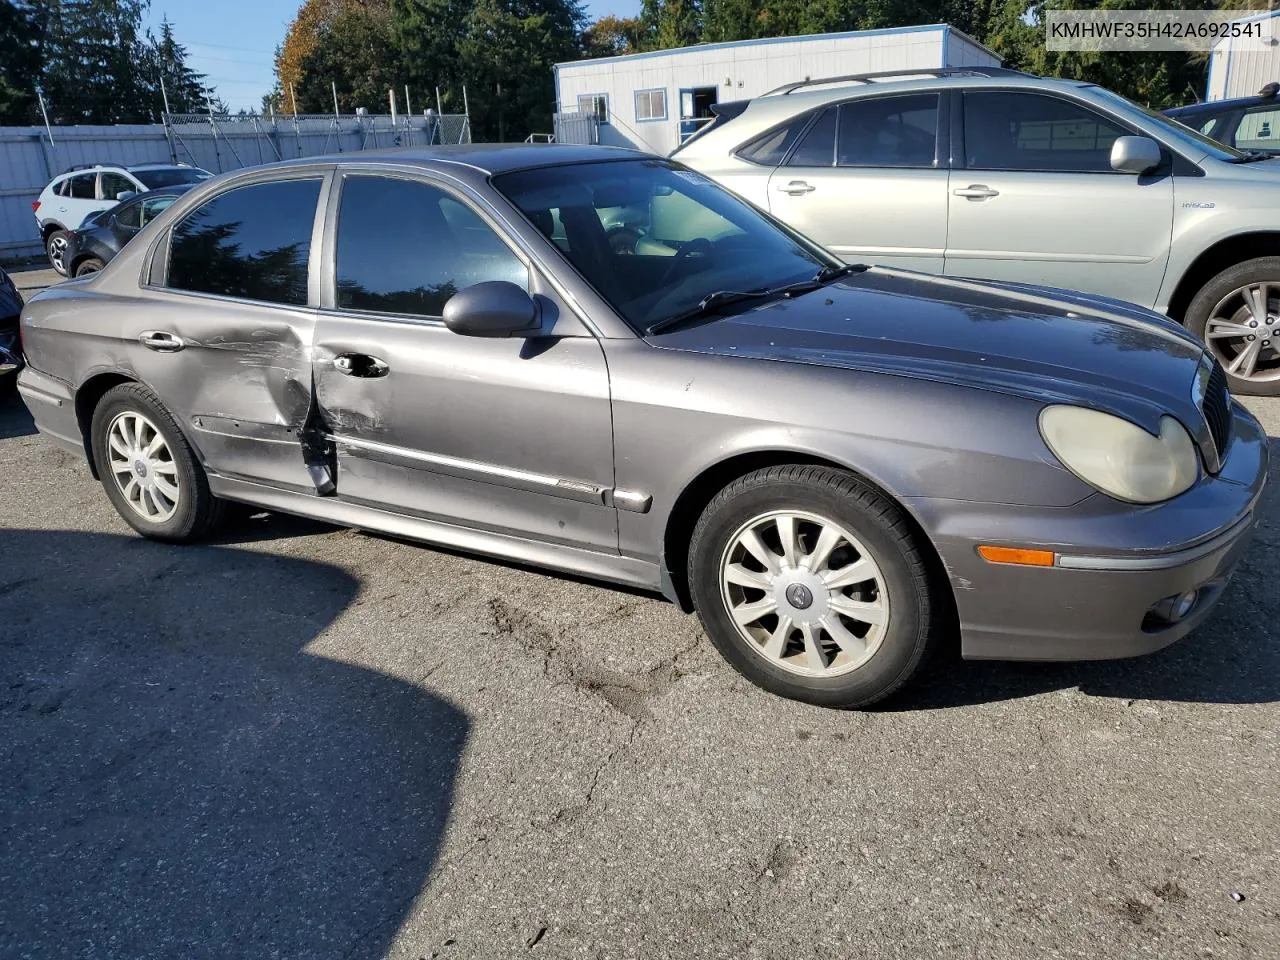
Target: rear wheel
55,245
810,584
88,265
149,471
1237,314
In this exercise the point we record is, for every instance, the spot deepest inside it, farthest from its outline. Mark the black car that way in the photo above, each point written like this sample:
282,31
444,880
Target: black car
10,344
91,248
1251,124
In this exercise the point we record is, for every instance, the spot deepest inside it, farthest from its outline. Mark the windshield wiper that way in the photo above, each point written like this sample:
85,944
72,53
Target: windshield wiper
1253,156
830,274
707,305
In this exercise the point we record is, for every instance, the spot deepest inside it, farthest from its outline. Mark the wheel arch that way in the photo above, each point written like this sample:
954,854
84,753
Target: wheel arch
699,491
1216,258
48,228
88,396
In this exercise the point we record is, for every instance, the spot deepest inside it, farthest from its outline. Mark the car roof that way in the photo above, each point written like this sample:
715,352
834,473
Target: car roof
843,90
489,158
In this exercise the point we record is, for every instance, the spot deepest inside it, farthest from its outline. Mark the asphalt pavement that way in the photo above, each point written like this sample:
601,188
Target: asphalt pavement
304,741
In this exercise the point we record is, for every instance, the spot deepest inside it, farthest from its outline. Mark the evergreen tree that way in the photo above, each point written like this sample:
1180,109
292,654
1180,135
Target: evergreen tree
21,30
167,61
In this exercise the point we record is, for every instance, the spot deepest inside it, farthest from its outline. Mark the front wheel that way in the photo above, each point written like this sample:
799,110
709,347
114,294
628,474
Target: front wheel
149,471
1237,314
810,584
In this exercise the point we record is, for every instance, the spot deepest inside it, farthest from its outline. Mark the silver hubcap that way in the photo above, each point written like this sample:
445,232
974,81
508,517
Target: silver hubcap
804,593
57,247
1243,331
143,468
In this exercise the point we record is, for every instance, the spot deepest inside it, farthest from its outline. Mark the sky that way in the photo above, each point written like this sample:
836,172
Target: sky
232,42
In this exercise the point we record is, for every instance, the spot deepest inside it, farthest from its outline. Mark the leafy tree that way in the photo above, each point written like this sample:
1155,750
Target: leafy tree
350,53
611,36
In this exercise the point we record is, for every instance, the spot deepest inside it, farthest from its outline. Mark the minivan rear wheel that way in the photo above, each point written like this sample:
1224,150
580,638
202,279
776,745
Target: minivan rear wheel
1237,314
810,584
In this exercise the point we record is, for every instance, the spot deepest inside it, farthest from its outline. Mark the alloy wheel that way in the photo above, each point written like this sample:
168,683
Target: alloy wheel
1243,331
805,593
143,467
57,252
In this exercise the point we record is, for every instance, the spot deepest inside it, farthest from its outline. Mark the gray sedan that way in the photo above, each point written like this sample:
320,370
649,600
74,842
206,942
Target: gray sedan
603,363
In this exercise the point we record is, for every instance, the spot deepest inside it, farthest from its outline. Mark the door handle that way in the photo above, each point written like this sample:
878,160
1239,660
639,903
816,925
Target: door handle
796,188
160,341
361,365
977,191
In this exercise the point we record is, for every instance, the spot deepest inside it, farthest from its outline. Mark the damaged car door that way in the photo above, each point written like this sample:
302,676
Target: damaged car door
233,359
507,434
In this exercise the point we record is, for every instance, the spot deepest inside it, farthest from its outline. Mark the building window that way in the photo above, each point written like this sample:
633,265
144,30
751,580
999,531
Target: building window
651,104
597,103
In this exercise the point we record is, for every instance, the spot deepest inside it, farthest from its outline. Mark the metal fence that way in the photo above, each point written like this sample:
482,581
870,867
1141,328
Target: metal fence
577,128
29,159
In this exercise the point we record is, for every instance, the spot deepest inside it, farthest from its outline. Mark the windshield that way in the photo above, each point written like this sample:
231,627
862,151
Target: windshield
1191,138
171,176
655,239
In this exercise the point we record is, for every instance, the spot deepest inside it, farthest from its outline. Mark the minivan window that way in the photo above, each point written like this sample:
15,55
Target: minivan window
252,243
888,132
1010,130
818,147
405,247
1259,129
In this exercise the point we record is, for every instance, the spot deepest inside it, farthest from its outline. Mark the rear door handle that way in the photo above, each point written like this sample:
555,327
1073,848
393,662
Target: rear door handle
161,341
361,365
977,191
796,187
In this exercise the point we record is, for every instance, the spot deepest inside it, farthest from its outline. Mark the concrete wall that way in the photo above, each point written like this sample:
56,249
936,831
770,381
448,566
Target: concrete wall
748,69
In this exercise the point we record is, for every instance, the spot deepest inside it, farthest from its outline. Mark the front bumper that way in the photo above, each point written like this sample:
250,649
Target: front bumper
1115,563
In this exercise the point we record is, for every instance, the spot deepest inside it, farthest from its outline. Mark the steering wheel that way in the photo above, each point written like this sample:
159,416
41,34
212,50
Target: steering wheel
683,253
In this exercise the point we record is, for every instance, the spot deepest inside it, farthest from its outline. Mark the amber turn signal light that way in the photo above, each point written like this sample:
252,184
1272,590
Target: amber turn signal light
1026,558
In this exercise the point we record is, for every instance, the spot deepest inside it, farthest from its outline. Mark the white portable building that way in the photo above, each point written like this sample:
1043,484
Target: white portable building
657,100
1241,66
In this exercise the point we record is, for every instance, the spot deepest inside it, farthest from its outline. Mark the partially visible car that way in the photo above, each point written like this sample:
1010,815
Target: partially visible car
10,339
1251,124
987,172
71,197
94,245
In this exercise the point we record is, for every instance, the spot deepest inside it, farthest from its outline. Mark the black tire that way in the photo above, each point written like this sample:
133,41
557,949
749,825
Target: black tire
882,528
197,510
55,246
1211,294
88,265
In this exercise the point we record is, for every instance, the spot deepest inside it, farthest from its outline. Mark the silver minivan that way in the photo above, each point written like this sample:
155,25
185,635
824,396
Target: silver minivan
987,172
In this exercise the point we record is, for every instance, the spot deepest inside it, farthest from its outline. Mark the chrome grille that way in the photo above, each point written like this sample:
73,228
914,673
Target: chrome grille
1216,407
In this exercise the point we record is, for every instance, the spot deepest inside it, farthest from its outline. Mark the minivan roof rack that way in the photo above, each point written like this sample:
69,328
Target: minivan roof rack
890,74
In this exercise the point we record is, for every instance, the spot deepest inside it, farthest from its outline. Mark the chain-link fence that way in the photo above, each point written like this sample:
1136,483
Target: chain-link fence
227,143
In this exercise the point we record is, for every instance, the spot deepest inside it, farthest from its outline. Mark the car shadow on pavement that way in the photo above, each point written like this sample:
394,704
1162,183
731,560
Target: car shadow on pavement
180,776
15,421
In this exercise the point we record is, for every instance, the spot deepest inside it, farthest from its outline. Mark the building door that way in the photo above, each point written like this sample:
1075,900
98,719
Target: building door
695,109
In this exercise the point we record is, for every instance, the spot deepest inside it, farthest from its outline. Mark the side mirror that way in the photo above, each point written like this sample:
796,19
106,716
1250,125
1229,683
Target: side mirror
1135,155
495,308
126,194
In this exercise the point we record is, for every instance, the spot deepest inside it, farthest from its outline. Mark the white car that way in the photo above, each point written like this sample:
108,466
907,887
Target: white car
71,197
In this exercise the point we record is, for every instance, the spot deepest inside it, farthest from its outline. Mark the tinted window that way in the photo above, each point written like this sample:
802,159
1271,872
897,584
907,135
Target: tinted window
113,184
406,248
171,176
888,132
153,208
1026,131
82,186
129,215
251,243
773,146
1259,129
818,146
63,189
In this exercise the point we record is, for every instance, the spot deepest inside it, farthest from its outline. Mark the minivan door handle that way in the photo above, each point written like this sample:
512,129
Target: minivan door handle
361,365
976,191
796,187
161,341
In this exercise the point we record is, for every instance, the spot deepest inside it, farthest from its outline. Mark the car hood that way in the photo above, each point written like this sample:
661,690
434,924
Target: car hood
1044,344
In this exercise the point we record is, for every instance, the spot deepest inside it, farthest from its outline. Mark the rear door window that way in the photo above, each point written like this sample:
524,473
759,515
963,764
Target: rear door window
405,247
1011,130
251,243
888,132
818,146
1259,129
771,148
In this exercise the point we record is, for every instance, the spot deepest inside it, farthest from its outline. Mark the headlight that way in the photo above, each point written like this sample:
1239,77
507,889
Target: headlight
1120,458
